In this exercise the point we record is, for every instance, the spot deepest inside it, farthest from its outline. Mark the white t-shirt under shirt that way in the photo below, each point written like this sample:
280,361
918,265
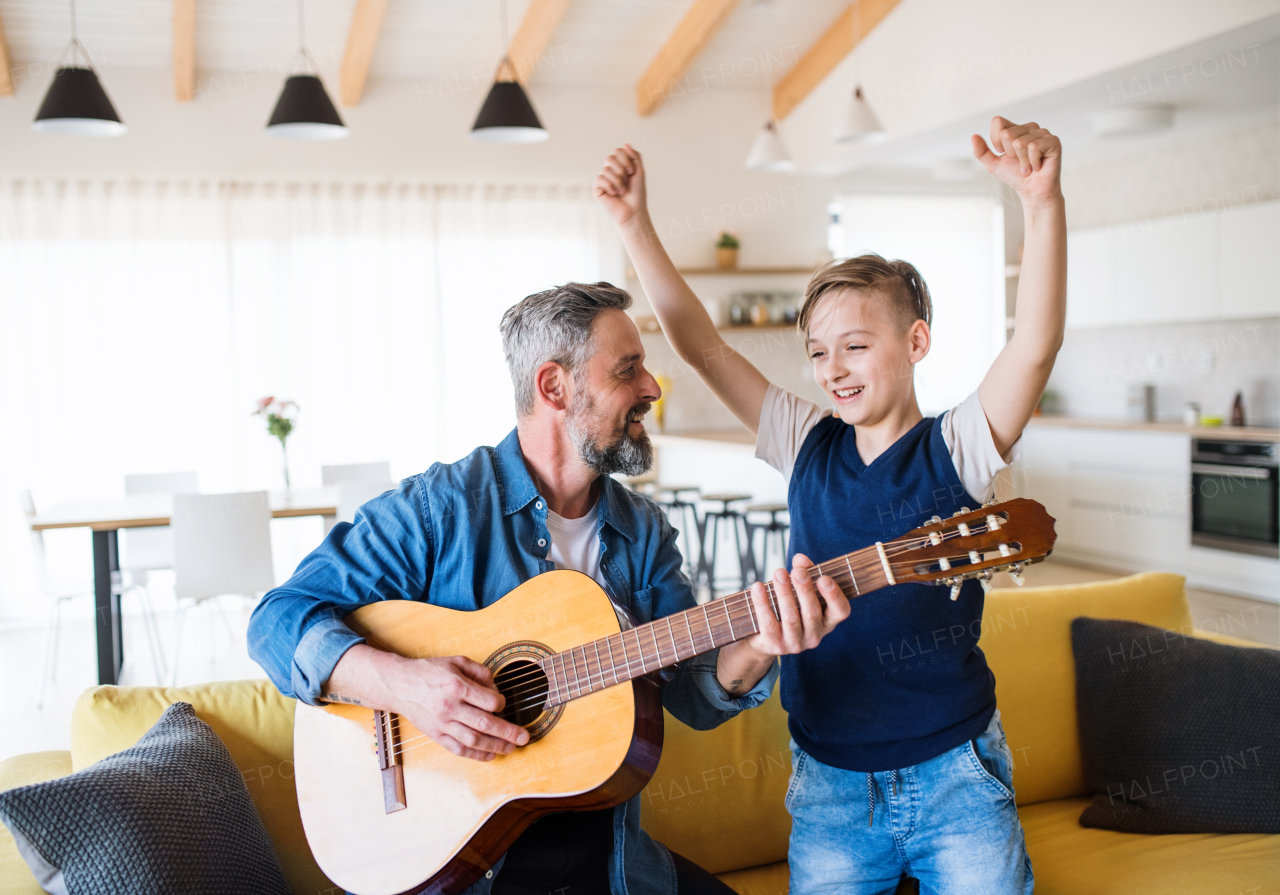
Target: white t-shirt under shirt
575,545
786,419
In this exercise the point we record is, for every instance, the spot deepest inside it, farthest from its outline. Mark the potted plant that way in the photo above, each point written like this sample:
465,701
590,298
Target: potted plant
280,415
727,251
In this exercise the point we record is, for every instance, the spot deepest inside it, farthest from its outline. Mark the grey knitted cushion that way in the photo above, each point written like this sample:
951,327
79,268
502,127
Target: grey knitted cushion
1177,734
170,814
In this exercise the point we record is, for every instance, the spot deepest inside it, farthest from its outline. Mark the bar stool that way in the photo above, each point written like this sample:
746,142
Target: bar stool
712,522
684,516
774,527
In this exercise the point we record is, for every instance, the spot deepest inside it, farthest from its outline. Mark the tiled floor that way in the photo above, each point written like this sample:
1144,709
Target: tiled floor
210,653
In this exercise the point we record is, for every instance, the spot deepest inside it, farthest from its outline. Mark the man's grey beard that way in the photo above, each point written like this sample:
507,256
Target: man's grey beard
630,456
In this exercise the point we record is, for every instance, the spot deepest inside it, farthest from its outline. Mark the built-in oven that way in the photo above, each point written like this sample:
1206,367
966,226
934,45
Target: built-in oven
1235,497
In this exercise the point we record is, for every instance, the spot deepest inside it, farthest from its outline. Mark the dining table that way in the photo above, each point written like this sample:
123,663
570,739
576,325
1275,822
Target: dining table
106,517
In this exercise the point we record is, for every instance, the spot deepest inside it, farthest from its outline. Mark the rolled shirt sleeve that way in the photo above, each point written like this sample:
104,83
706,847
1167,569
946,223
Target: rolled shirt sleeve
297,633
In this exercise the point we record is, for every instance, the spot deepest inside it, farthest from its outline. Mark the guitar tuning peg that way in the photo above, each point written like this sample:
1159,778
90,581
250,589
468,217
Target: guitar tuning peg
986,583
936,519
960,512
955,589
1015,574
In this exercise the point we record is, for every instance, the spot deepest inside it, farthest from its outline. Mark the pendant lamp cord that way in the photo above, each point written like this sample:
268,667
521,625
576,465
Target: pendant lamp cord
502,16
302,37
74,45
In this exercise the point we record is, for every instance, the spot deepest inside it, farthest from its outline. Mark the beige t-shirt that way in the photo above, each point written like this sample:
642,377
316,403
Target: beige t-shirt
786,419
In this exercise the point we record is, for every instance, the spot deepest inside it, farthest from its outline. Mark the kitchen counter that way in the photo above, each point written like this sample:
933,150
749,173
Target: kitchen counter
1228,433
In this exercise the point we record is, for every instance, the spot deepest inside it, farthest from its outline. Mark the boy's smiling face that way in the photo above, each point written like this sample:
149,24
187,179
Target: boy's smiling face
864,353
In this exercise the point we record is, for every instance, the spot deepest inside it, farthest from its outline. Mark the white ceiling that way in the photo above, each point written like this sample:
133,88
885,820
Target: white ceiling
599,42
1226,81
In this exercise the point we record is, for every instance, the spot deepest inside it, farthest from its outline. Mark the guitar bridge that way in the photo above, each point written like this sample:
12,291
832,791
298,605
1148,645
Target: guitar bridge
386,734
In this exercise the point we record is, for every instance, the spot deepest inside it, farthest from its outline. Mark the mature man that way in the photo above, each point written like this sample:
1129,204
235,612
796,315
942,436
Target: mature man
464,534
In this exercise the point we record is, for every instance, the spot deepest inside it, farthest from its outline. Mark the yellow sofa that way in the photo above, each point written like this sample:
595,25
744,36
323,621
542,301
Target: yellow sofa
717,797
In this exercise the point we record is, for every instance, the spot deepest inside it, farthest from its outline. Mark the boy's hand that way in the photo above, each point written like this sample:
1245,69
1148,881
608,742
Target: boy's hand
1029,158
802,620
620,184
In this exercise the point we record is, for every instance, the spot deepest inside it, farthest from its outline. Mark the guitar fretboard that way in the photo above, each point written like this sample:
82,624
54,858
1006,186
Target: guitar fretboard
674,638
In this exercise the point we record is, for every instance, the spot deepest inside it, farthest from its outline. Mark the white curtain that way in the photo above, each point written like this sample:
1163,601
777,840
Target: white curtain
140,321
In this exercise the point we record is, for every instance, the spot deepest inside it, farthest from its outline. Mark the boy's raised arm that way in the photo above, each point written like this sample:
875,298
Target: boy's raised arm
1030,163
620,188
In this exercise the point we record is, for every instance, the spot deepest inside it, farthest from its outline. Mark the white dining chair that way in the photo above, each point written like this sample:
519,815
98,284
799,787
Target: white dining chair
350,472
379,473
221,547
354,494
150,549
62,592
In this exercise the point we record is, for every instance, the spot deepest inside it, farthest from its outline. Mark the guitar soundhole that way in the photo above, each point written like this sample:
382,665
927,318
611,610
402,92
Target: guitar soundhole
525,686
520,678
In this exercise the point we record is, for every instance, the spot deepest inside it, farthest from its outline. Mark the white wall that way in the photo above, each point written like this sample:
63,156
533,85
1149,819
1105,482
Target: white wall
933,62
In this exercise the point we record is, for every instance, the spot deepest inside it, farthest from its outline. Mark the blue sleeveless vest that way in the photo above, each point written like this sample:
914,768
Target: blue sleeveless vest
902,679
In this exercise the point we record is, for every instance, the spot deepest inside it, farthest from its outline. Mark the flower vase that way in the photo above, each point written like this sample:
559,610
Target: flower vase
284,450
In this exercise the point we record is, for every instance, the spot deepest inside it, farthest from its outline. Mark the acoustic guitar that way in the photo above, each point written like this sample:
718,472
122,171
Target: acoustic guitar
387,810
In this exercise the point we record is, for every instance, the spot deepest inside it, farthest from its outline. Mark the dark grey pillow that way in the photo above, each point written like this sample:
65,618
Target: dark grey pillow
169,814
1178,734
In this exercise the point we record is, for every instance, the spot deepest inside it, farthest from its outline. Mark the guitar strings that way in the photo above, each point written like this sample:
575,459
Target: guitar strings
769,587
839,575
525,696
736,601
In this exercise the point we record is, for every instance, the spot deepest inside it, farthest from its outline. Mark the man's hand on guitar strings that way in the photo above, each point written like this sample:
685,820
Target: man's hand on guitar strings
454,702
451,700
807,610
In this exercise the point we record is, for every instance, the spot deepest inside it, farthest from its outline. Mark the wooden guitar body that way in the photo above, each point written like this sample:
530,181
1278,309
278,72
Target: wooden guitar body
443,819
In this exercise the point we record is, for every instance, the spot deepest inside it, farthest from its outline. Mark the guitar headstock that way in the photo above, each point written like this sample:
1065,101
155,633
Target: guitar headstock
974,544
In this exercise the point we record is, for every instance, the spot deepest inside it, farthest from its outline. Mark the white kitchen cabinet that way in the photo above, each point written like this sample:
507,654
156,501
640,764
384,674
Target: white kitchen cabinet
1167,270
1249,246
1091,277
1121,498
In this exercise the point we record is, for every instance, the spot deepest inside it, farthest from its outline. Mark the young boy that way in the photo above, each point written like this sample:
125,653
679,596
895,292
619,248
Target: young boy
900,767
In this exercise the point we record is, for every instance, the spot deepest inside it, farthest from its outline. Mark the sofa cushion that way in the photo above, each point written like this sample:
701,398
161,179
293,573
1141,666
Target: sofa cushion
716,797
169,814
1026,635
23,770
771,879
250,717
1068,859
1177,733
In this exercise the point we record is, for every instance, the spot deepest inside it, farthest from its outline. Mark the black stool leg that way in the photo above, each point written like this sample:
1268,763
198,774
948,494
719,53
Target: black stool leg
742,556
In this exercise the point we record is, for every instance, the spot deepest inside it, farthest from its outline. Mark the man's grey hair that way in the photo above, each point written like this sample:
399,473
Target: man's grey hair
554,325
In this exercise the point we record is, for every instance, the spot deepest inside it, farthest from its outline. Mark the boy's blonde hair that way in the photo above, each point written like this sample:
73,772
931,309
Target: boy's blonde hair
898,282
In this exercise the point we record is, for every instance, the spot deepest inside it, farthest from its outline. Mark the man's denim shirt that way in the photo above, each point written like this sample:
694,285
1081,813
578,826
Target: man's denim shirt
462,535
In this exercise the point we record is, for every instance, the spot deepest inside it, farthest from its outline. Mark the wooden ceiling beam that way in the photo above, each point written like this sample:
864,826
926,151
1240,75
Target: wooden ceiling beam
536,30
361,39
184,50
6,66
690,38
855,23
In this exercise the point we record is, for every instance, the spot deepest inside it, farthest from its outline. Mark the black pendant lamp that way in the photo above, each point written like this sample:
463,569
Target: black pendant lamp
76,102
507,116
304,110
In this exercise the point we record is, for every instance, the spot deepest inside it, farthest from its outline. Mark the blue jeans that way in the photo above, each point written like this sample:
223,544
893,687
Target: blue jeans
950,822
